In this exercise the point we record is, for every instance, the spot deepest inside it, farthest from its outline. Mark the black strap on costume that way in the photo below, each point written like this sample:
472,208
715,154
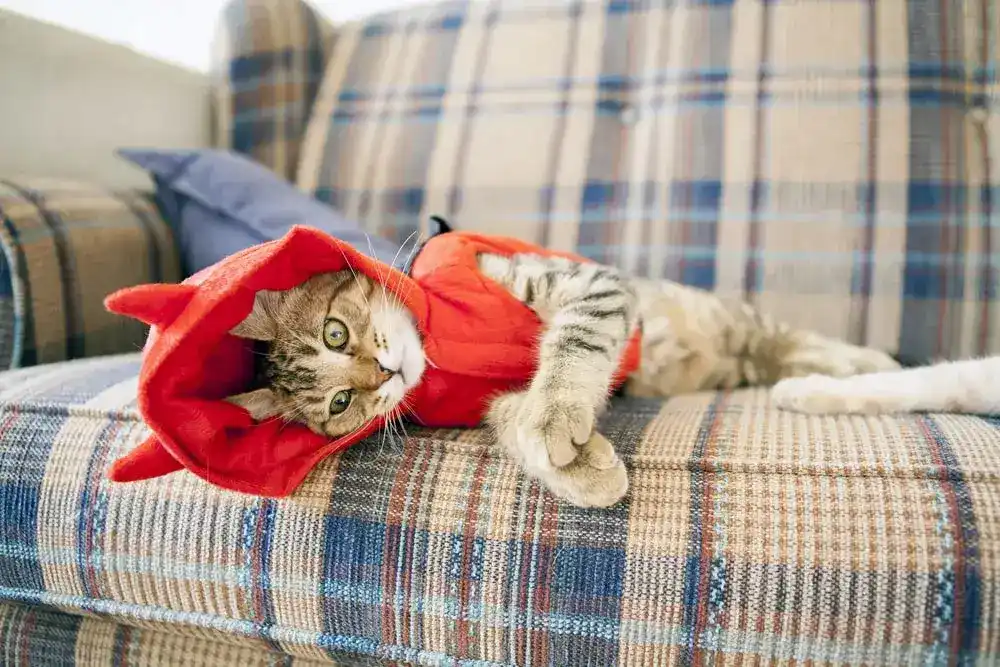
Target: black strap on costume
438,225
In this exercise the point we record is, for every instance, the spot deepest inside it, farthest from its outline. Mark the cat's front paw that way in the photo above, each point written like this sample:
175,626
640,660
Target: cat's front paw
817,395
595,478
556,443
552,429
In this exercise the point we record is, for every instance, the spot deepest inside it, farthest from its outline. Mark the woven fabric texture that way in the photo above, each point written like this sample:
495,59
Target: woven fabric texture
748,534
37,636
828,160
65,246
268,61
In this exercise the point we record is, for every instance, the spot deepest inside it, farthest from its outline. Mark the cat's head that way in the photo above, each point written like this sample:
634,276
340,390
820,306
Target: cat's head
341,351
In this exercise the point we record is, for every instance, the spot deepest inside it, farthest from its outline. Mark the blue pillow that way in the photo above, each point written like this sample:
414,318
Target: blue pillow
218,202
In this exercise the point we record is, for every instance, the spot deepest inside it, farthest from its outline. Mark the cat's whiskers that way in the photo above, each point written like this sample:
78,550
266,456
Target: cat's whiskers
354,432
371,250
400,421
399,430
297,409
392,428
383,434
392,265
356,279
399,281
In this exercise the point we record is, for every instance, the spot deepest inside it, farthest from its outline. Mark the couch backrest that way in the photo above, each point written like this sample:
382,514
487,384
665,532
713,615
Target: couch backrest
827,160
268,62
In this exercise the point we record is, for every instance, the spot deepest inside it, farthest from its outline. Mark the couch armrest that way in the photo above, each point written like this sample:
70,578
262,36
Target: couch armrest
65,246
268,63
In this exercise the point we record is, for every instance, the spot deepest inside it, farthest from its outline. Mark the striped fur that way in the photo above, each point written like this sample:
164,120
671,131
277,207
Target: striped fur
333,386
589,313
691,341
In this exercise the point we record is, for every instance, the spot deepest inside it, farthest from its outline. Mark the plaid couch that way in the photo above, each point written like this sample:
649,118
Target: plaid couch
830,160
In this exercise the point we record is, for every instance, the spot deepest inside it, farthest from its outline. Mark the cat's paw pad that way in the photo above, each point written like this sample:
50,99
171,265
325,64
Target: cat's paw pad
549,432
596,478
593,477
813,394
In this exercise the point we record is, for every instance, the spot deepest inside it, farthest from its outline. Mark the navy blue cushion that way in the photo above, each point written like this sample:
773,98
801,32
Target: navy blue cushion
219,202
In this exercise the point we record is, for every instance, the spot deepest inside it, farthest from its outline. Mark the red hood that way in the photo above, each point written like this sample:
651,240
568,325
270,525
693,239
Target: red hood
190,362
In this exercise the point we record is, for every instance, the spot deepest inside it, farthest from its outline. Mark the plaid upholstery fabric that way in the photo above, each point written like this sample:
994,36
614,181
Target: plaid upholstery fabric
38,637
819,158
748,534
268,62
65,247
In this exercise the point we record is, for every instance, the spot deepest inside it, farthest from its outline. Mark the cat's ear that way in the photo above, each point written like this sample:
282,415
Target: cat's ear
260,403
262,322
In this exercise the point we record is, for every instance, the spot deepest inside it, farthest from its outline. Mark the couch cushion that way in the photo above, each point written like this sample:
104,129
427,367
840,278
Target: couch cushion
747,532
823,159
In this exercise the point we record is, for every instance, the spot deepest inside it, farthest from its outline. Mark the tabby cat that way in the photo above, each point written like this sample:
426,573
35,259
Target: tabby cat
343,350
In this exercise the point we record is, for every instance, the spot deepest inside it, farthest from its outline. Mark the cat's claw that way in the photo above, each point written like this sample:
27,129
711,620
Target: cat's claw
597,478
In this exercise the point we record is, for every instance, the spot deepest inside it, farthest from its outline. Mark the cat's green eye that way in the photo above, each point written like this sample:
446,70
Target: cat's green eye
341,401
335,334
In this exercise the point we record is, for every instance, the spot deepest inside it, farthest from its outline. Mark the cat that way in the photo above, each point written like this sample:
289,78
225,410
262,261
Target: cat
971,386
342,350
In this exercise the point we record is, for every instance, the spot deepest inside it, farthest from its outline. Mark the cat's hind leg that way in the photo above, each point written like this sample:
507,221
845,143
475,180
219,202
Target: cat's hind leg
694,340
970,386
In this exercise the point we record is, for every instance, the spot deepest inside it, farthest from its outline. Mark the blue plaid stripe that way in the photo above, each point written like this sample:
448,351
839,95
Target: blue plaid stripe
22,466
18,325
257,547
35,636
8,315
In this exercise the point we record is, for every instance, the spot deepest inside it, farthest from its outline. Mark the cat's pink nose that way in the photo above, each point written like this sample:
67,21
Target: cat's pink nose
385,374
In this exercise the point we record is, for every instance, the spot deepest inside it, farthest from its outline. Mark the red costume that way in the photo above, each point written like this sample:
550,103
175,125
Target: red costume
478,339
